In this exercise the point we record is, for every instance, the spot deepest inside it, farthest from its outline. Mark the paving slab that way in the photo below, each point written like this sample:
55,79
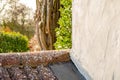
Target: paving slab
66,71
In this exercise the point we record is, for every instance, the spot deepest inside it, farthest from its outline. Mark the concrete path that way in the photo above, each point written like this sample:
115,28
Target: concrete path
66,71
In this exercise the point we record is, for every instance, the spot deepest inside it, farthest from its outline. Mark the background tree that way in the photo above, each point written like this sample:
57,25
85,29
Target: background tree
3,6
17,17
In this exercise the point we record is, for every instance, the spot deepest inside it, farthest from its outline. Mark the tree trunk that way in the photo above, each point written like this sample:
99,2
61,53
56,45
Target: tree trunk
47,15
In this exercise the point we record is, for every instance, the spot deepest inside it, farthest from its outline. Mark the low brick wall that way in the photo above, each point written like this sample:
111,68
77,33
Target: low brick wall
34,58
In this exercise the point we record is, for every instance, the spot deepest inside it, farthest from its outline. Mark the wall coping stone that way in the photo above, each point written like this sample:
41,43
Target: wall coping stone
34,58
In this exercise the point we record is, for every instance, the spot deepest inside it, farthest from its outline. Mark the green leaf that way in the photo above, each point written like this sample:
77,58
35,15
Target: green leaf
63,33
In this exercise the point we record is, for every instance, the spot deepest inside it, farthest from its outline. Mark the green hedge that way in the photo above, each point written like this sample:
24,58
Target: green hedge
63,33
13,42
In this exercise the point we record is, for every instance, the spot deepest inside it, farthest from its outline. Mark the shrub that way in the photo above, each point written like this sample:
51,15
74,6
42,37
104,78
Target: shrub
27,29
63,33
13,42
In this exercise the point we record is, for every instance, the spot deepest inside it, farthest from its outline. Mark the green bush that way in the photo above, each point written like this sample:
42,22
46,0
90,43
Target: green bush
63,33
13,42
27,29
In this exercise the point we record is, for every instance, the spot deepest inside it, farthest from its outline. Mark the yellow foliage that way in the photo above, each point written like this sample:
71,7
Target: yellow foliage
6,29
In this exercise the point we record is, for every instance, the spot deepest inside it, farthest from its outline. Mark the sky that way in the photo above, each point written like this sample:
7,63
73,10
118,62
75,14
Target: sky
29,3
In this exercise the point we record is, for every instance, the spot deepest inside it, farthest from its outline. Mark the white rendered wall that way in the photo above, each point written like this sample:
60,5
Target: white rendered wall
96,38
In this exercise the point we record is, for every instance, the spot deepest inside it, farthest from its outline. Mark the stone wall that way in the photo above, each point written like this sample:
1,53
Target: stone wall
34,59
96,38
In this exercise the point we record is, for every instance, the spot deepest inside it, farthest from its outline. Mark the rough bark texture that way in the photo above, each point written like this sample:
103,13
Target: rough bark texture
47,15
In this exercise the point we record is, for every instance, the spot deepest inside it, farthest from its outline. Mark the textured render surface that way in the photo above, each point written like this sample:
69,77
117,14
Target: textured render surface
96,38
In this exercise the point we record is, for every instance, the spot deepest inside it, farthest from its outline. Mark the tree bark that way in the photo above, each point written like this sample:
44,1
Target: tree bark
47,15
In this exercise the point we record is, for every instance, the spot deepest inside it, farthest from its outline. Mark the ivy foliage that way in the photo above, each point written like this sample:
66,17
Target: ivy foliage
13,42
63,33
